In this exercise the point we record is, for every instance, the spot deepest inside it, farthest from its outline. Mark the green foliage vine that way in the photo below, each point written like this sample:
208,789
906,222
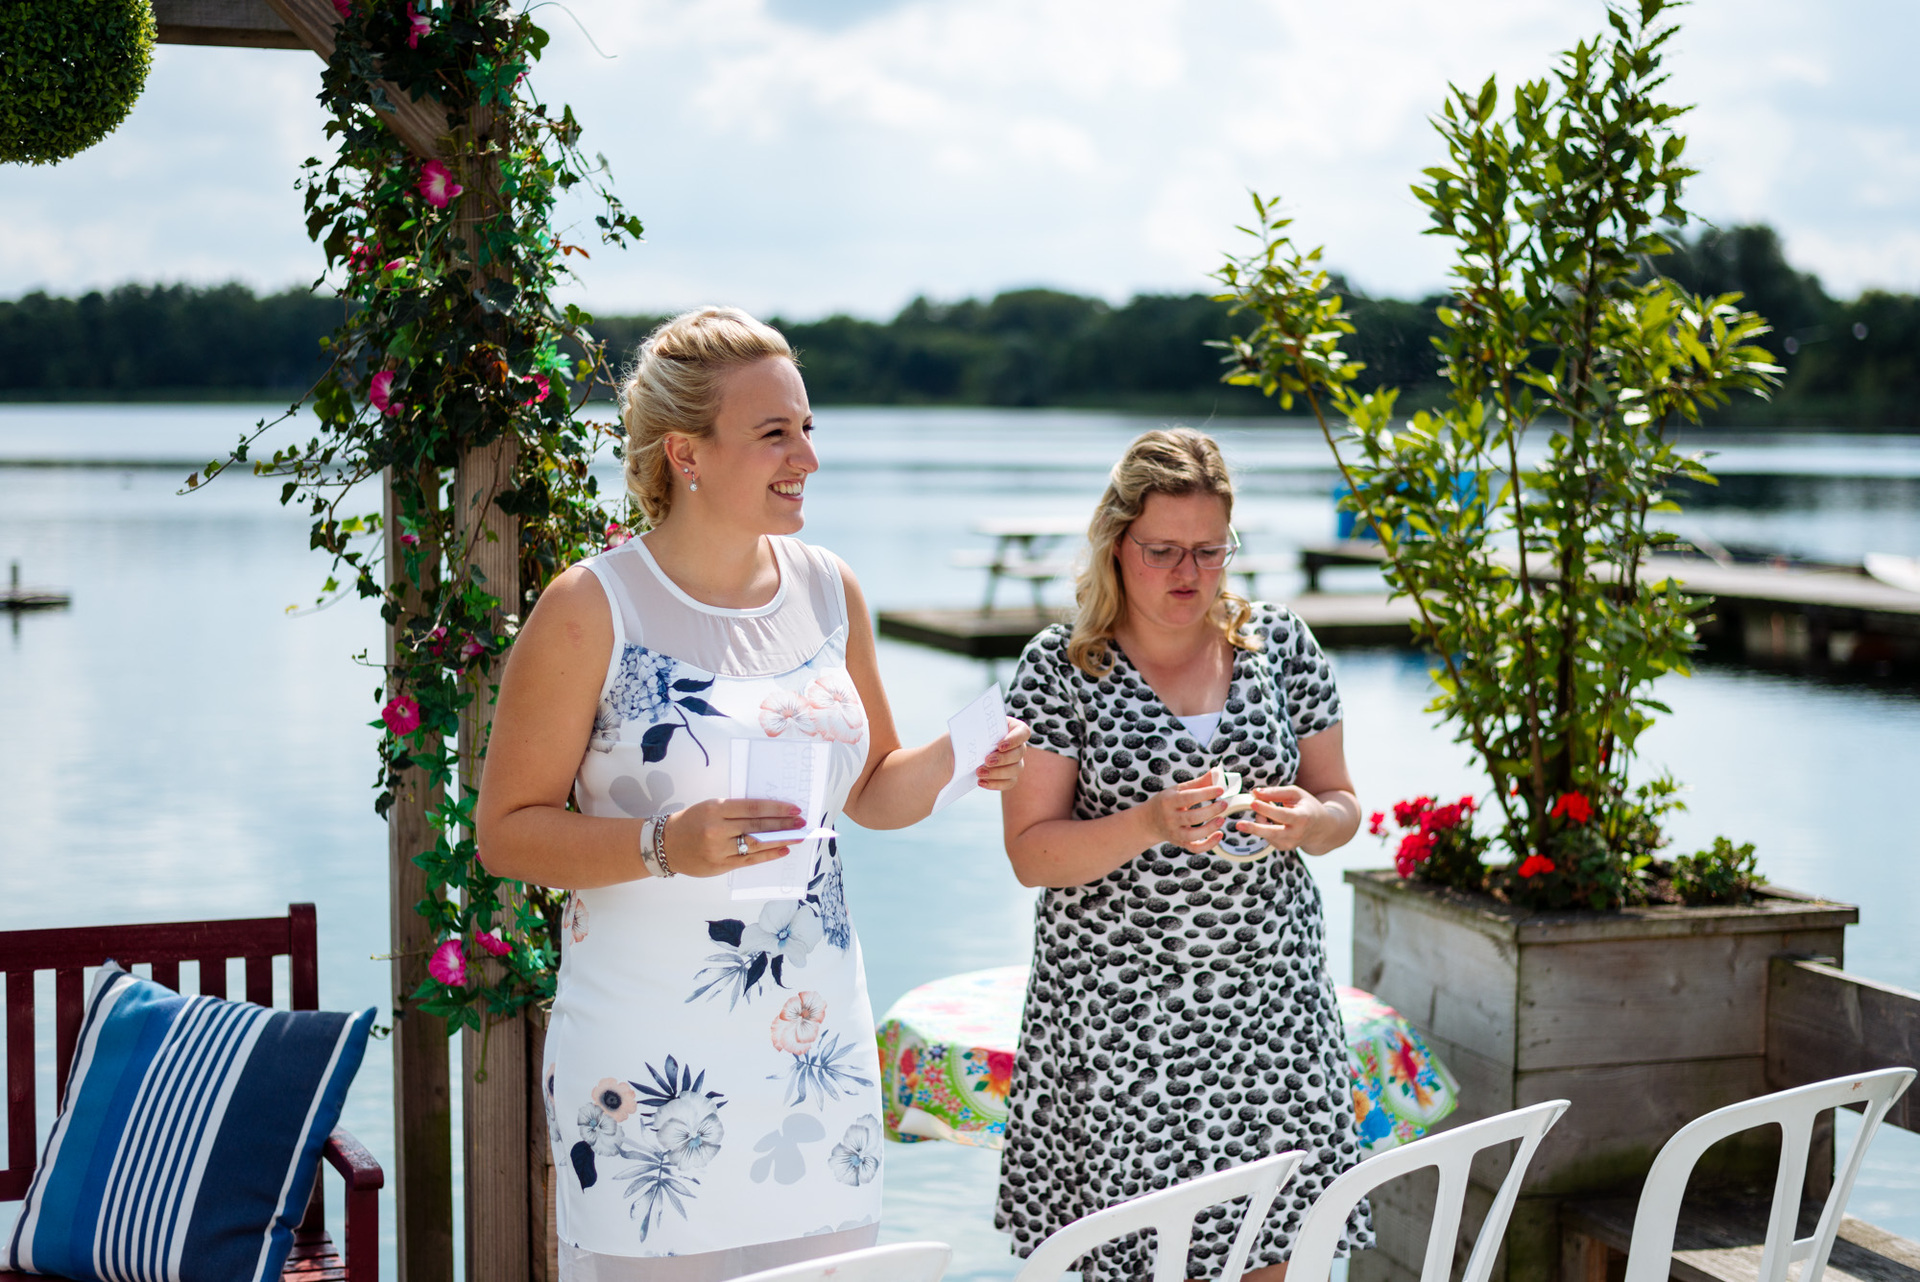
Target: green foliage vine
451,341
69,74
1522,519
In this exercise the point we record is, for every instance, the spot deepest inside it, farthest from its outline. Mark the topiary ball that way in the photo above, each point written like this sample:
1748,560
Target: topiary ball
70,71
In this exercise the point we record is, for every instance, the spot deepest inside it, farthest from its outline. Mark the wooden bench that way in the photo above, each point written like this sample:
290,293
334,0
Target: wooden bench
256,941
1720,1242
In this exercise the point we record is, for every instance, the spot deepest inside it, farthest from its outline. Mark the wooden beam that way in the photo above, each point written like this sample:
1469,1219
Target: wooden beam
249,24
498,1156
422,1096
422,125
1823,1022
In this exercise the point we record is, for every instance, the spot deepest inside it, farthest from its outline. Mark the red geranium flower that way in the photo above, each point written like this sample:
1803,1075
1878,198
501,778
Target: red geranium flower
1572,806
1533,865
1377,823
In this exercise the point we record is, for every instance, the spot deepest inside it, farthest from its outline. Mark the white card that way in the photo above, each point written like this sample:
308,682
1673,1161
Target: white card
976,730
793,771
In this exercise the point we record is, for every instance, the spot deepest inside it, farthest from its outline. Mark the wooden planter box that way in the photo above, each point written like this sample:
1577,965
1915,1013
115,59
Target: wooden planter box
1645,1019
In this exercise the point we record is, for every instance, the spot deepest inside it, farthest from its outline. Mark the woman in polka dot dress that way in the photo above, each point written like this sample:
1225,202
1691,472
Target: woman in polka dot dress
1180,1018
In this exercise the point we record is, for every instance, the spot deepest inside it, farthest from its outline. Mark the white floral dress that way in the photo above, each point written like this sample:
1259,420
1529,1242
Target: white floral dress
711,1076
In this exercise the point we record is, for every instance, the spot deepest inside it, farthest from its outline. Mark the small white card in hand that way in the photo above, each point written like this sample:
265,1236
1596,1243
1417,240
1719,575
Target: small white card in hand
793,771
976,730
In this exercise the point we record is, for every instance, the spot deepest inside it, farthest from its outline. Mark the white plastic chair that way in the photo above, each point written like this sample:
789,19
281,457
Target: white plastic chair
901,1262
1650,1255
1453,1153
1170,1213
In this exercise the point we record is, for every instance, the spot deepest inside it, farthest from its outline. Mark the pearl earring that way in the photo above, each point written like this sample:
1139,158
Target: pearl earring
695,484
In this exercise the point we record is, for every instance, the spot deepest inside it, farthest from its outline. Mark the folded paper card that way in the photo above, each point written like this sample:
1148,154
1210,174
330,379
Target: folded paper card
975,730
793,771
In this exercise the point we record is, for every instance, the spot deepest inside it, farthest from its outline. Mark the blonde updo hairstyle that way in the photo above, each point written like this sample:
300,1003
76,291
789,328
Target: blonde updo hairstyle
1175,461
674,385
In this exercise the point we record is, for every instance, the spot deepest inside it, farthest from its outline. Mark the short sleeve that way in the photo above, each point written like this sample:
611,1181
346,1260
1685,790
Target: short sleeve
1306,678
1042,694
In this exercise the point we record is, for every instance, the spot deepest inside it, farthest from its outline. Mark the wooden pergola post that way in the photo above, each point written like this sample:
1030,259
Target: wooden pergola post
508,1234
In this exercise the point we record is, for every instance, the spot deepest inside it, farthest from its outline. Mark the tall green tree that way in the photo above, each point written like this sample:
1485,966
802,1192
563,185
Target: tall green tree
1517,517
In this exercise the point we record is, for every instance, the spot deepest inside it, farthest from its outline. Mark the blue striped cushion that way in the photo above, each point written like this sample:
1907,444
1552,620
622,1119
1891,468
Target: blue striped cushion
190,1137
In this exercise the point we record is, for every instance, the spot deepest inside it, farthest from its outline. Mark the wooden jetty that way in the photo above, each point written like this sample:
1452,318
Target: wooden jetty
1339,619
15,598
998,633
1818,614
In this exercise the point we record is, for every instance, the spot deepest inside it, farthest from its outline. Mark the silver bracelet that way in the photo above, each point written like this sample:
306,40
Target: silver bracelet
651,829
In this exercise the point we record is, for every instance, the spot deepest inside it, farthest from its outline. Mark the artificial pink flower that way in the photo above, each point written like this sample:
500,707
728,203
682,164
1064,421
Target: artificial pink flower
417,26
437,642
490,941
449,964
576,919
616,535
471,649
380,393
343,7
409,538
437,186
540,389
401,714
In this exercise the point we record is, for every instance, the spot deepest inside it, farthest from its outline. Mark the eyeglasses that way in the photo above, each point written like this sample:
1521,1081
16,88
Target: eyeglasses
1165,556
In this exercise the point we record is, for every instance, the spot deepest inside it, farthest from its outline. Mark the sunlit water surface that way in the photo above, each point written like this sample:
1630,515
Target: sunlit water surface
179,745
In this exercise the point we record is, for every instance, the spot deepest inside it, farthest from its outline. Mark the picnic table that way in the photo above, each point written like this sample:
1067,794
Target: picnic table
1027,547
1023,548
947,1048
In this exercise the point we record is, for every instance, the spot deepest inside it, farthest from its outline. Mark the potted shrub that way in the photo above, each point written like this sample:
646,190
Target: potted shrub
1530,931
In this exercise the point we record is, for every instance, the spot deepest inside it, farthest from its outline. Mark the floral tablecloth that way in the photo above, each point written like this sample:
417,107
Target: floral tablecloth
946,1059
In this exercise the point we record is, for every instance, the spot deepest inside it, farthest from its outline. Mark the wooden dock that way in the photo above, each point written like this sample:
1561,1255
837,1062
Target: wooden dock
1337,619
999,633
1816,615
14,598
1796,613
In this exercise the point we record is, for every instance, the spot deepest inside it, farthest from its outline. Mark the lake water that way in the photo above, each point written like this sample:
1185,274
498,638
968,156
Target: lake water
179,745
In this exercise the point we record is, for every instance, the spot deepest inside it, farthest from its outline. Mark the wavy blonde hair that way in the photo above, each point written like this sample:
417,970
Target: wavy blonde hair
674,385
1175,461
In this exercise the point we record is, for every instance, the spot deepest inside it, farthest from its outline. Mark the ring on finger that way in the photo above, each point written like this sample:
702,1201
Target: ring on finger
740,844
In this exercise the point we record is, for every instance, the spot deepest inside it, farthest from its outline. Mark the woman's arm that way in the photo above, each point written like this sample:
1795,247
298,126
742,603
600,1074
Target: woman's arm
548,695
899,785
1318,811
1048,847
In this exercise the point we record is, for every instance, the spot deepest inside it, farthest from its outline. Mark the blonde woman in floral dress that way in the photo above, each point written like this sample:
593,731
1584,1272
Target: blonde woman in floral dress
711,1077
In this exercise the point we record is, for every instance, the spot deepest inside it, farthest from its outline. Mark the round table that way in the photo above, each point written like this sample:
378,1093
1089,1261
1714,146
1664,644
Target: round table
946,1063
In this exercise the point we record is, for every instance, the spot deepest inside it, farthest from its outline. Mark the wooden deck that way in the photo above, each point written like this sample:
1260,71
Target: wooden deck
999,633
1818,615
1337,619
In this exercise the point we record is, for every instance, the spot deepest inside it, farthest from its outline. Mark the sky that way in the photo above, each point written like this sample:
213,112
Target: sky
802,157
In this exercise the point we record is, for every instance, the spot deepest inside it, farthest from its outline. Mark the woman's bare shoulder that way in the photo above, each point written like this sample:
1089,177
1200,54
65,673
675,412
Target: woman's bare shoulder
572,613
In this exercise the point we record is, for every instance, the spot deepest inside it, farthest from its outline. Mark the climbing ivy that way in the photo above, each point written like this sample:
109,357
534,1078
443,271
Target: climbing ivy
450,340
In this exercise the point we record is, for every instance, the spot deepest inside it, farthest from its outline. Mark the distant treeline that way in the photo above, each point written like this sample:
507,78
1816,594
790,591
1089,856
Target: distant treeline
1850,363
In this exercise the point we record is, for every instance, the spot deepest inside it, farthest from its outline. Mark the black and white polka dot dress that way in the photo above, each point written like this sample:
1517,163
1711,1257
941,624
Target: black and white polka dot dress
1180,1018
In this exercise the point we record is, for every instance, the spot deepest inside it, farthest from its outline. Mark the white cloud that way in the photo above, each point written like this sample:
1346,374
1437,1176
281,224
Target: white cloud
806,155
